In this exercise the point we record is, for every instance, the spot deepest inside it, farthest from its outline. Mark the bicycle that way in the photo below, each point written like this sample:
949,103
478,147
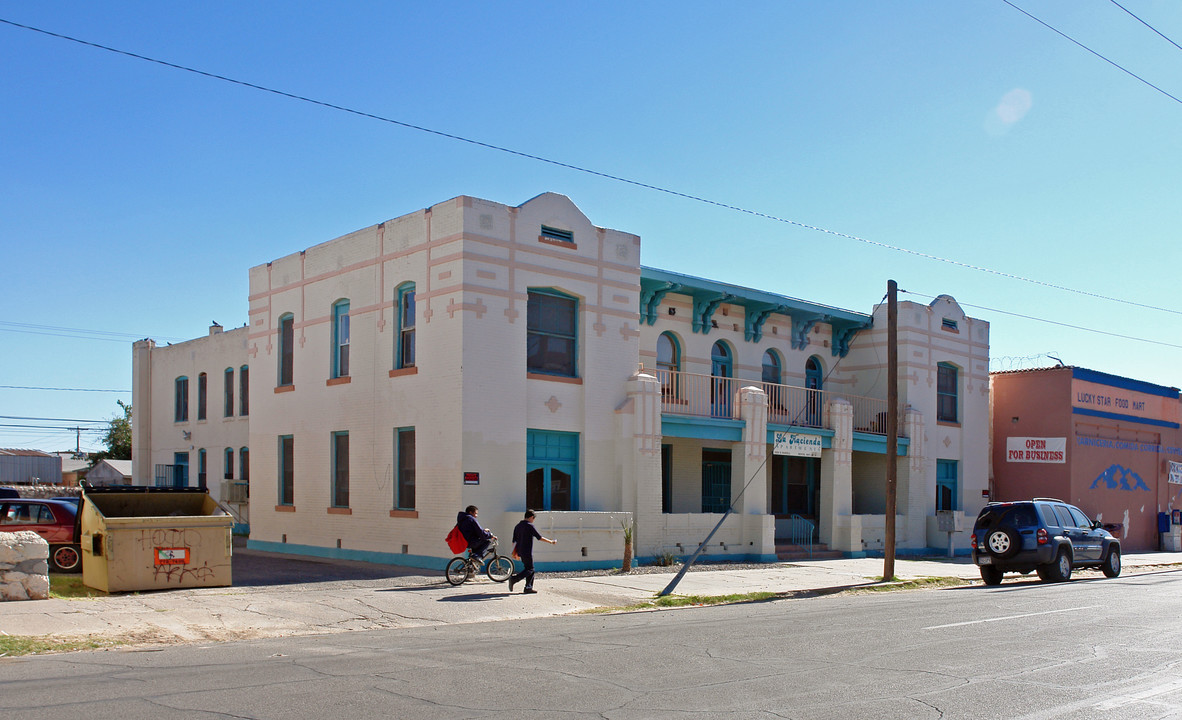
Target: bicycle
462,568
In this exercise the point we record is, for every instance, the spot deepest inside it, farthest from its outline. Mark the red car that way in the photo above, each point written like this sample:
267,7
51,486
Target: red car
54,520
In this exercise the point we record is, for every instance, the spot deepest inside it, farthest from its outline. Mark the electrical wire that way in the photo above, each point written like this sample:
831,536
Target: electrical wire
605,175
1052,322
1123,69
1130,12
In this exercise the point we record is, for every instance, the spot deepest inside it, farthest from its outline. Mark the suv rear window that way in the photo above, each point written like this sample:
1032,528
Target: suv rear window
1048,516
1016,515
1064,517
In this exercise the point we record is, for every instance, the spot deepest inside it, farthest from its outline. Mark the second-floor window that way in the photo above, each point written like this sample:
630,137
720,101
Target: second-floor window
947,392
406,327
286,349
551,329
340,338
228,391
243,394
202,391
181,400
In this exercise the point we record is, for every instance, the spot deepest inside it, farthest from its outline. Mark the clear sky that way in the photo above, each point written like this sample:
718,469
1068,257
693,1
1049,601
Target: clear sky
134,197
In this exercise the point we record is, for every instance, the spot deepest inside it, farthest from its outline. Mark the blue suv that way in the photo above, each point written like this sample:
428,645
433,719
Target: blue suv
1045,535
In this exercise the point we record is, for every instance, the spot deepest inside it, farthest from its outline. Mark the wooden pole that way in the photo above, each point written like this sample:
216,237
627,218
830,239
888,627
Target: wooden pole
892,428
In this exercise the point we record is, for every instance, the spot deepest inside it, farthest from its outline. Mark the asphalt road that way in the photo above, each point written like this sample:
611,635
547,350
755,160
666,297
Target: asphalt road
1085,649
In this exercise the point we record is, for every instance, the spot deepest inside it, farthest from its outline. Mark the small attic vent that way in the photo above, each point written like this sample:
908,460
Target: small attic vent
555,234
949,324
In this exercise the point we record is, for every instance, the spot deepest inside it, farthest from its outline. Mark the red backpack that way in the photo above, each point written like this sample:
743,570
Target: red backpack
455,540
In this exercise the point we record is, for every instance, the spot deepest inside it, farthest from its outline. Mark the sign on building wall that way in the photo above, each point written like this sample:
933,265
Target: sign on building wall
797,445
1099,398
1176,473
1036,450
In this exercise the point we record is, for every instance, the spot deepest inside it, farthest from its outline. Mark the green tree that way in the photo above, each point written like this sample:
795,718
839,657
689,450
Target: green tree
118,437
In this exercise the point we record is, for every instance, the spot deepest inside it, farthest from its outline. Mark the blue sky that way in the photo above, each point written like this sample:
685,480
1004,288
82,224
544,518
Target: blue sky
134,197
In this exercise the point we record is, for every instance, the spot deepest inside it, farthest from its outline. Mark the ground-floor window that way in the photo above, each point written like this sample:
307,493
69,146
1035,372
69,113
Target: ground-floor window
286,470
666,478
947,497
716,480
340,469
551,470
404,460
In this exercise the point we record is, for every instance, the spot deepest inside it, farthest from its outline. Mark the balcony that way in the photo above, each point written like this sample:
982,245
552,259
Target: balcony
710,396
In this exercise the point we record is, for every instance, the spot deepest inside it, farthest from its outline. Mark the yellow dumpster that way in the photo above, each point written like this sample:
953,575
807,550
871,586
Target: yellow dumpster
151,538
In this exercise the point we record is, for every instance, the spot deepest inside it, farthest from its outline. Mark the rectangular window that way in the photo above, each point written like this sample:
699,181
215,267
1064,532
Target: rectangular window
550,333
202,387
666,478
340,334
228,464
947,390
243,395
551,470
340,469
201,468
181,401
286,349
947,495
948,324
286,470
552,233
228,389
244,465
406,327
404,460
716,480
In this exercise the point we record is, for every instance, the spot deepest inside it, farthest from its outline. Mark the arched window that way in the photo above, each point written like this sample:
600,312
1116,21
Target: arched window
228,392
668,353
771,367
286,349
181,399
721,382
244,464
772,378
244,390
813,379
404,353
340,338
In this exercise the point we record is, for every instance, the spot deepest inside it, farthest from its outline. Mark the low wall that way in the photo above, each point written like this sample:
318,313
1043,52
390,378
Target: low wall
41,492
24,566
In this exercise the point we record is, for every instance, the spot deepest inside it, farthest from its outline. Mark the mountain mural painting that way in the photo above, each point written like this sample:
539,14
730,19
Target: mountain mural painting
1117,477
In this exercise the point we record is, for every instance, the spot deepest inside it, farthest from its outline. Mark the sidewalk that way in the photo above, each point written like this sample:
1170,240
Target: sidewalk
402,597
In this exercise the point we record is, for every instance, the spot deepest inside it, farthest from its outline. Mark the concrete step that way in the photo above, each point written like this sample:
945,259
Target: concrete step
787,552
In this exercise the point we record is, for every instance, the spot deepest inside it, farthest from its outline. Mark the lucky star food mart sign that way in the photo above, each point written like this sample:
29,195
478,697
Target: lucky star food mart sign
797,445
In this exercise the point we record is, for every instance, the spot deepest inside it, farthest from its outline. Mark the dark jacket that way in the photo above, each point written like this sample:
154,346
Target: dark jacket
470,527
523,538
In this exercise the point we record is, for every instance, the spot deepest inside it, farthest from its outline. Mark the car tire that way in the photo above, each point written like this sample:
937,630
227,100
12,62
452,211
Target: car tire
991,575
1058,571
66,558
1111,566
1003,542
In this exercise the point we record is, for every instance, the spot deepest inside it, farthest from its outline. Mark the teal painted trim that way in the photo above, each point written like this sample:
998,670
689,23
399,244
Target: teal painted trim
381,558
702,428
871,443
1123,418
1125,383
855,554
826,435
240,529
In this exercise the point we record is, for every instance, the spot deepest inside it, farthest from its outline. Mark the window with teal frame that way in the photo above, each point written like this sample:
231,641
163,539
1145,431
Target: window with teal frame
947,495
551,470
340,469
947,392
228,463
286,470
405,352
340,339
551,332
228,392
181,399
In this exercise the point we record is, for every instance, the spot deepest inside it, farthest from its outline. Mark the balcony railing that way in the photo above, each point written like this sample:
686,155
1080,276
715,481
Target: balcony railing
685,393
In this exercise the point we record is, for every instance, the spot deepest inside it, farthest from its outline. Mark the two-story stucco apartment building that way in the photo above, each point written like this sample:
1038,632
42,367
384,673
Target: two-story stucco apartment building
521,357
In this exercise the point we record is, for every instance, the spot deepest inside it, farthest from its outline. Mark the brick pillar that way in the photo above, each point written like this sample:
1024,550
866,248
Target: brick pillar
642,464
837,499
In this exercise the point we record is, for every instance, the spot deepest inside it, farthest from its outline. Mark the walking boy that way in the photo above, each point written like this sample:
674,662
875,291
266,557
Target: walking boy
523,548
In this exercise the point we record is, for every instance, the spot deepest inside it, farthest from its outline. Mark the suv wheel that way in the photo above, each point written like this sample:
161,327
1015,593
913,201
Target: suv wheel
991,575
1003,542
1058,571
1111,566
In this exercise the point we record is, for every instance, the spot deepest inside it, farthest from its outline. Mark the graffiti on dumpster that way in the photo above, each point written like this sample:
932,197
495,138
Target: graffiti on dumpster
170,553
1117,477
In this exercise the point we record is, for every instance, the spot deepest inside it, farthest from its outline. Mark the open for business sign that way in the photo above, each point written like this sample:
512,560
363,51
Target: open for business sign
1036,450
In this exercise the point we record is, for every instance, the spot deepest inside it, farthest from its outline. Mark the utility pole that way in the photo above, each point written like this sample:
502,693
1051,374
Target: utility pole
892,428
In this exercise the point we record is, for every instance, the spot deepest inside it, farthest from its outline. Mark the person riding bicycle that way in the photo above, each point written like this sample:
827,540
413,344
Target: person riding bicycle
478,538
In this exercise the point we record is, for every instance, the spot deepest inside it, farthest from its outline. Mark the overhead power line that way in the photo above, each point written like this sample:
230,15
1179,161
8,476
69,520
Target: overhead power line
1114,64
605,175
1130,12
1053,322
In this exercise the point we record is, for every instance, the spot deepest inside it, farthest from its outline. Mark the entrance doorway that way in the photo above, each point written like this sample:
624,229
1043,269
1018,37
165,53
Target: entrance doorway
794,490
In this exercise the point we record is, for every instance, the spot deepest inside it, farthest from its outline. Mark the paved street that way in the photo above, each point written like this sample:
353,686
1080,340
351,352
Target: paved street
1085,649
